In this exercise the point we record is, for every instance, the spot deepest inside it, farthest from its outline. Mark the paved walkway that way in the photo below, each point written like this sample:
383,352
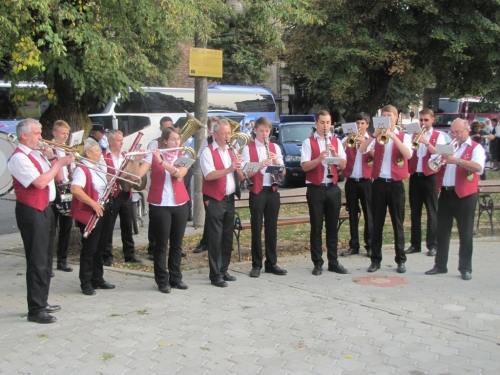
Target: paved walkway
382,323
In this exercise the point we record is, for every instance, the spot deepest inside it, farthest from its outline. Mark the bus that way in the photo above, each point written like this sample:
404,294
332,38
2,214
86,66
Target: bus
142,112
446,110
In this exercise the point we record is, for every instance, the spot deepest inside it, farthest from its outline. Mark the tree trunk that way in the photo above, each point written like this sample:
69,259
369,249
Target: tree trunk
67,108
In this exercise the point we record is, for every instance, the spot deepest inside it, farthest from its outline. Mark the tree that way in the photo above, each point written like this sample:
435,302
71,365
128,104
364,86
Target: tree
370,53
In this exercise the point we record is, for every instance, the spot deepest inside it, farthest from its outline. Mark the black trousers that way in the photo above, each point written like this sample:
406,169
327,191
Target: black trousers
462,209
264,206
37,231
204,238
91,264
359,192
65,224
187,183
324,202
392,195
168,224
423,192
120,205
219,227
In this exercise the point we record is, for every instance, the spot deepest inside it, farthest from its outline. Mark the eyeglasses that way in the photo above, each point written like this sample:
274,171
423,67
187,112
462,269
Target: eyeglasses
425,119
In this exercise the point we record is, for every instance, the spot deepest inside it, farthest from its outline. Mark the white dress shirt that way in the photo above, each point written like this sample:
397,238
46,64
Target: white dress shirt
24,171
99,181
478,156
262,154
357,169
306,154
207,165
167,196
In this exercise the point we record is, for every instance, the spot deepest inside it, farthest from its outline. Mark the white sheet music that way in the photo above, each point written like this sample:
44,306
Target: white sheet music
331,160
381,122
350,127
414,127
184,161
251,167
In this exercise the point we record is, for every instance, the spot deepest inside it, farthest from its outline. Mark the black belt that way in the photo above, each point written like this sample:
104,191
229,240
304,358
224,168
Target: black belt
328,184
357,179
229,196
385,179
420,174
447,187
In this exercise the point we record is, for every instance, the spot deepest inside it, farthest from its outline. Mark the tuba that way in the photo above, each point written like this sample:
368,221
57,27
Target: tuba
190,127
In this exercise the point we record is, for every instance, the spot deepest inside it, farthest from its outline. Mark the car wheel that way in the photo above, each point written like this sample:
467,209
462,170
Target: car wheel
282,181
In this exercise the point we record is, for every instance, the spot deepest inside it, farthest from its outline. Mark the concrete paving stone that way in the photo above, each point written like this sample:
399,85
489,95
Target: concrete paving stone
259,321
193,342
296,366
241,349
217,339
406,337
193,358
325,369
400,362
317,357
267,362
414,346
350,332
274,371
222,366
238,332
443,350
489,364
489,372
267,352
434,367
242,341
351,364
454,360
11,367
113,369
381,368
125,343
379,335
245,368
243,358
281,331
423,356
363,348
330,329
143,354
474,353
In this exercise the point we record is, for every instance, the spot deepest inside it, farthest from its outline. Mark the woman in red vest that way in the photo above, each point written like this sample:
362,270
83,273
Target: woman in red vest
168,209
88,187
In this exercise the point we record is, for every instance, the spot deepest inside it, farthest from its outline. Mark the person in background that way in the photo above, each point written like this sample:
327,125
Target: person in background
480,135
60,133
33,173
493,147
97,133
458,181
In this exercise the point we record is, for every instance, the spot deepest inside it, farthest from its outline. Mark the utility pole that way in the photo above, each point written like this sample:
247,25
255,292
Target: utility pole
200,112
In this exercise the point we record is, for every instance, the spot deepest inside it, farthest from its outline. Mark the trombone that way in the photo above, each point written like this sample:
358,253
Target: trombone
186,149
437,163
100,167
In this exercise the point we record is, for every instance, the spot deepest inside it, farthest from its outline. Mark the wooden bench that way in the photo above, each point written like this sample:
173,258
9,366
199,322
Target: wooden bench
485,200
292,196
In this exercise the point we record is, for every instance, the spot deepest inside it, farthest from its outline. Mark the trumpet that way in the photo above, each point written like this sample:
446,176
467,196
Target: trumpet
351,141
383,139
99,167
415,143
437,163
247,179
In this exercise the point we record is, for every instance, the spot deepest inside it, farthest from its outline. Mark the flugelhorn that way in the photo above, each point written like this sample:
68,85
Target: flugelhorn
437,163
383,139
351,140
415,143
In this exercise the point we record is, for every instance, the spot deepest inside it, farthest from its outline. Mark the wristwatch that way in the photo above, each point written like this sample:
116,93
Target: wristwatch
459,162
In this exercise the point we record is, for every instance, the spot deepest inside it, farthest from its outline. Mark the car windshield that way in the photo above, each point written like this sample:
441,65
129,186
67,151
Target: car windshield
295,133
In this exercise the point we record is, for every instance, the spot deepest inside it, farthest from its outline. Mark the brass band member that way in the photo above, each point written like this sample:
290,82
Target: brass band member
33,179
121,204
323,194
87,187
423,185
458,181
221,168
358,187
390,168
264,199
168,209
60,132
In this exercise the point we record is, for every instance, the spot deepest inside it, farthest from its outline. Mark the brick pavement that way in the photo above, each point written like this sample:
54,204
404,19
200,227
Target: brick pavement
296,324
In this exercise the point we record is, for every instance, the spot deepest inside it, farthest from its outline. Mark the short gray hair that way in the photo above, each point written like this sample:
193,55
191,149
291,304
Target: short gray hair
89,144
112,133
218,124
24,126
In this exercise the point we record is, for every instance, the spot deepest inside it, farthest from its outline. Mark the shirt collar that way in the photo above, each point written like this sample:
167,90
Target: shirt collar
25,148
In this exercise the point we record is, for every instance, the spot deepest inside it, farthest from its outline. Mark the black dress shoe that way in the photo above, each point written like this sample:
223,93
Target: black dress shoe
132,259
52,308
228,277
108,262
401,268
88,291
165,289
200,248
104,285
338,268
373,267
183,254
276,270
412,250
435,270
255,272
42,317
64,267
219,282
317,270
350,252
432,252
466,275
178,285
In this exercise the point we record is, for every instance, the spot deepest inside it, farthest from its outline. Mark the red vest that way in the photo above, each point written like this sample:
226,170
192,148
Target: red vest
399,165
31,196
366,163
412,168
466,183
158,176
316,174
80,211
258,178
216,188
108,158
